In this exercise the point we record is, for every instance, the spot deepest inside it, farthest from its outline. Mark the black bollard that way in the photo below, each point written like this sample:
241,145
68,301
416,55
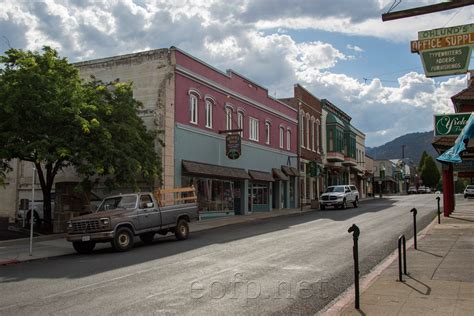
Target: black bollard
402,242
355,251
414,211
439,211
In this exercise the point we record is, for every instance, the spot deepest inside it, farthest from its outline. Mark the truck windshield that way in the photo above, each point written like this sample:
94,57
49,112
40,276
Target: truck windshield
126,202
335,189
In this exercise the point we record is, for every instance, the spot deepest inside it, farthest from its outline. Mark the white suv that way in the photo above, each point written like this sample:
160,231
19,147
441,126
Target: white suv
469,191
339,196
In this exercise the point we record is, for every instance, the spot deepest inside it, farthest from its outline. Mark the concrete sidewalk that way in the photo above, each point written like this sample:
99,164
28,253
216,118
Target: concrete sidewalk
441,274
15,251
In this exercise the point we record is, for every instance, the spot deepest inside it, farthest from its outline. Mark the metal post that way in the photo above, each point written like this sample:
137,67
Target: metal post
414,211
439,210
355,251
32,211
402,241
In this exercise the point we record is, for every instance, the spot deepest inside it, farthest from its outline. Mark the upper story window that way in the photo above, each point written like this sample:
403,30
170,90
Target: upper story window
240,122
331,140
302,129
253,129
288,139
209,106
307,131
267,133
193,107
282,136
318,135
313,132
228,118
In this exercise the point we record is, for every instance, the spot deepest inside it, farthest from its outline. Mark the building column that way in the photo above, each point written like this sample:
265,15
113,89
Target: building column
245,197
448,189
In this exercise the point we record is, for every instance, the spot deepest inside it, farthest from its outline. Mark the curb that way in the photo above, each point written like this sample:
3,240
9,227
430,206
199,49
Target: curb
9,261
337,305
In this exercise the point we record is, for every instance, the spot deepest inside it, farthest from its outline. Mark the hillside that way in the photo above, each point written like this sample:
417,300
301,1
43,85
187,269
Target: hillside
415,144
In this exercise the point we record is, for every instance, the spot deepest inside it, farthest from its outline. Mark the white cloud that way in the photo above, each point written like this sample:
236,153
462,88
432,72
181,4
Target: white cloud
252,38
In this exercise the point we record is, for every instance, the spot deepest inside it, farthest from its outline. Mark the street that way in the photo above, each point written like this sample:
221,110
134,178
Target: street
291,264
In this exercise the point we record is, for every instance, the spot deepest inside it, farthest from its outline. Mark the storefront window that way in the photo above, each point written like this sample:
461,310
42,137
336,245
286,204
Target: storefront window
213,195
259,194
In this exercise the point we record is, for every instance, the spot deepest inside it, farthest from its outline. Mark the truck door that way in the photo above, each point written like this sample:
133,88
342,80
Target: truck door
148,213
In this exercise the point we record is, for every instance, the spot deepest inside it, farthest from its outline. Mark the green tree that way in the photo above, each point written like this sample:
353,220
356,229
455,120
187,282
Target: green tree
422,160
4,168
49,117
429,172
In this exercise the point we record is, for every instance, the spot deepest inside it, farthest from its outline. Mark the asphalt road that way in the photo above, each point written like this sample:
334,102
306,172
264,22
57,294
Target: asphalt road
286,265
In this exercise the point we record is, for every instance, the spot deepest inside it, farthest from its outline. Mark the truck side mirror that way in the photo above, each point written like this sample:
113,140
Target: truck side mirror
149,205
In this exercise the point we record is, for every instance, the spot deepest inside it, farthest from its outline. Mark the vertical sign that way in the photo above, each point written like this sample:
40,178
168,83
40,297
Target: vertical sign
233,146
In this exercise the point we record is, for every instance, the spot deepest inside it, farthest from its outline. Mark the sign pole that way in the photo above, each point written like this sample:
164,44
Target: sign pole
32,210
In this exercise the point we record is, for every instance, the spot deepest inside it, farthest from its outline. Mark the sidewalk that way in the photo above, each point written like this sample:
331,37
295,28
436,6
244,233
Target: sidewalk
441,274
15,251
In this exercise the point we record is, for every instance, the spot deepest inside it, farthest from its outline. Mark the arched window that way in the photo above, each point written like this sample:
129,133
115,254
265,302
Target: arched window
267,132
209,105
253,129
288,139
302,128
228,118
193,107
312,133
282,136
318,135
240,122
307,131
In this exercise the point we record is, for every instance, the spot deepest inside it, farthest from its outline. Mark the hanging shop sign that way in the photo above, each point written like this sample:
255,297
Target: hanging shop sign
445,51
450,124
233,146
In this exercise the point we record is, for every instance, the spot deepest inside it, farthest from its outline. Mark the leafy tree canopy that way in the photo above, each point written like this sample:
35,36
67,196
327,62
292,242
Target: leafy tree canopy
50,117
430,173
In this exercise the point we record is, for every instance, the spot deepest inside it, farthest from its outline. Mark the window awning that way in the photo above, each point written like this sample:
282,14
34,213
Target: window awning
279,175
290,171
261,176
204,169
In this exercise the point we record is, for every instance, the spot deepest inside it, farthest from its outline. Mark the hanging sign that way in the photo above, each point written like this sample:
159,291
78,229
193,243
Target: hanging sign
233,146
450,124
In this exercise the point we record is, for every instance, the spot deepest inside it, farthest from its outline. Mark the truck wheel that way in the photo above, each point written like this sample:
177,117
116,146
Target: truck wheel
344,204
182,230
147,238
322,207
36,218
356,202
83,247
123,239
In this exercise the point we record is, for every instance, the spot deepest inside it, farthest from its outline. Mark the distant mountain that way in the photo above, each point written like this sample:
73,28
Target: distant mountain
415,144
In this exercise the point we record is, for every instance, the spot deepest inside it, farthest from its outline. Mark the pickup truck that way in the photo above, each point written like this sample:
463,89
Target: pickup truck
339,196
121,217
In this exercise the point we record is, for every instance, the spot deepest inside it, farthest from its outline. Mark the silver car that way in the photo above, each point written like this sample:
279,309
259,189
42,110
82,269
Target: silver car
469,191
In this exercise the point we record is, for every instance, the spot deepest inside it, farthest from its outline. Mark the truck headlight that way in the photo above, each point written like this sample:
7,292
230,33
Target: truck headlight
105,221
69,225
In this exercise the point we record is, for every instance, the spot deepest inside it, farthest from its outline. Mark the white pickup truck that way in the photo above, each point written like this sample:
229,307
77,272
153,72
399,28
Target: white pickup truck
339,196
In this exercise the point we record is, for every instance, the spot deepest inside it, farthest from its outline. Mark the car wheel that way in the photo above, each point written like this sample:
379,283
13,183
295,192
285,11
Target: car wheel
344,204
147,238
356,202
123,239
36,218
83,247
182,230
322,207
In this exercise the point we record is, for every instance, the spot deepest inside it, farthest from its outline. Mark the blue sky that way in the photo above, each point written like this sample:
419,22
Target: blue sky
338,49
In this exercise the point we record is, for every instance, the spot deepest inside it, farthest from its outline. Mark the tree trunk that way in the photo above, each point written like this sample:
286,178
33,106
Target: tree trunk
46,183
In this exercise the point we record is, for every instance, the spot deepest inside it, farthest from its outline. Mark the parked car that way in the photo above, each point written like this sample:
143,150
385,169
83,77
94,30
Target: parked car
423,189
412,190
121,217
38,213
339,196
469,191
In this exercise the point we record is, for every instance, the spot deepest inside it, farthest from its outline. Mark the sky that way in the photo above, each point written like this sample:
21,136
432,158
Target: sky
339,50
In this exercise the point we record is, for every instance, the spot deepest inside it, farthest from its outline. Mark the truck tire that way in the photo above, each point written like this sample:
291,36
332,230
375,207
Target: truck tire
344,204
147,238
322,207
83,247
356,202
123,239
182,230
36,218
